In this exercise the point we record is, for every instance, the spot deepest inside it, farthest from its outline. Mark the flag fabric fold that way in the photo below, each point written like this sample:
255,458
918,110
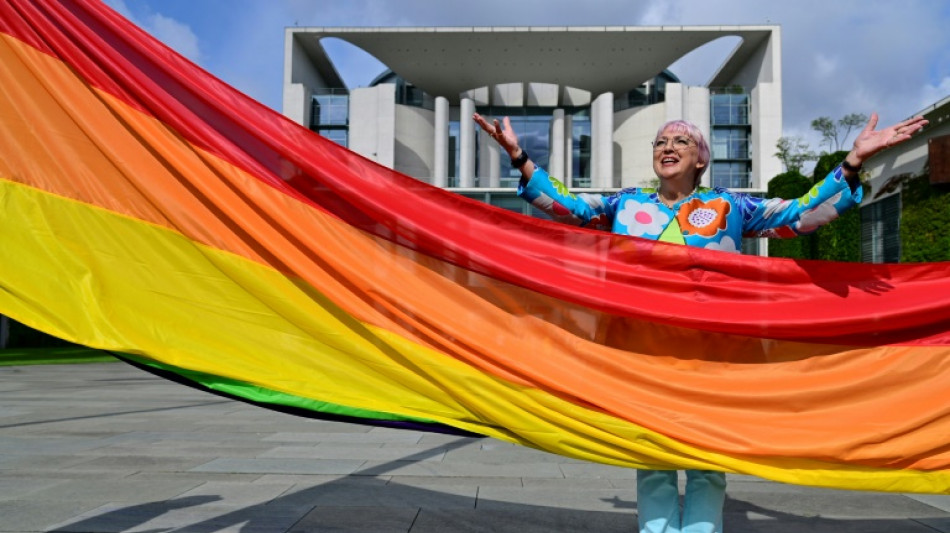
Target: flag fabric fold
151,210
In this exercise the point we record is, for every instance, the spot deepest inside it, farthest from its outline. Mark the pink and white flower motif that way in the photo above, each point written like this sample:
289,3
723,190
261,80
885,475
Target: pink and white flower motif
775,205
642,218
820,215
726,244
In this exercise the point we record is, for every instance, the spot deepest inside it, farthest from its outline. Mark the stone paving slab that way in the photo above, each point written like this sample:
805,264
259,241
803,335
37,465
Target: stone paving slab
520,521
32,515
108,448
367,520
606,500
362,453
279,466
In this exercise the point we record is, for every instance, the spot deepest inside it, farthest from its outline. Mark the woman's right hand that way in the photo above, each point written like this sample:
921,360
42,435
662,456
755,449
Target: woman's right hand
505,137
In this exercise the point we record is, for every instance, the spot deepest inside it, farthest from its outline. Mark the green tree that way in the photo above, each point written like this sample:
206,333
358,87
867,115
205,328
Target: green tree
925,215
793,152
837,133
839,240
825,163
790,185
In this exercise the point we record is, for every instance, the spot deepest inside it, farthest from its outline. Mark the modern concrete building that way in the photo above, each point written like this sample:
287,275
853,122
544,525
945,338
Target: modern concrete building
585,101
928,153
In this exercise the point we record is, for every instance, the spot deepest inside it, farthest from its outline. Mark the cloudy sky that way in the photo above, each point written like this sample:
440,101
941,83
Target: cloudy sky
839,56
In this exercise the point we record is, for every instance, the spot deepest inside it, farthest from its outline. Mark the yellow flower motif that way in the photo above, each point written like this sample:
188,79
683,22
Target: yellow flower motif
805,200
560,187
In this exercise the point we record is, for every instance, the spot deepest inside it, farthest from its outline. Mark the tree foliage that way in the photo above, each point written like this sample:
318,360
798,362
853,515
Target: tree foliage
23,336
925,216
793,152
790,185
837,133
839,240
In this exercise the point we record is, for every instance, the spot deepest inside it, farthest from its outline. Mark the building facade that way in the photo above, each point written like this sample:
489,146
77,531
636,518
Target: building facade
586,102
888,171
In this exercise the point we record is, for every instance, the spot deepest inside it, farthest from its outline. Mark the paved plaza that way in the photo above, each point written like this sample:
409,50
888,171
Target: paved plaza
109,448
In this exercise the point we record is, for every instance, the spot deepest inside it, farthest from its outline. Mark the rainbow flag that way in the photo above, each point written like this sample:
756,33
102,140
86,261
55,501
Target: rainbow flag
149,209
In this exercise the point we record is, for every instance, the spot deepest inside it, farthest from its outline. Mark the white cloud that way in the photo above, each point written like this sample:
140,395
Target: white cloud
838,57
657,14
931,94
175,34
121,8
824,66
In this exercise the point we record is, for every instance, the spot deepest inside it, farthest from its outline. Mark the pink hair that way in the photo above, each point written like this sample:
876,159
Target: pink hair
693,132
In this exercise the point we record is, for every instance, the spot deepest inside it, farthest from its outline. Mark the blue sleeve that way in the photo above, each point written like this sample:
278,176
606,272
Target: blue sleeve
553,198
775,217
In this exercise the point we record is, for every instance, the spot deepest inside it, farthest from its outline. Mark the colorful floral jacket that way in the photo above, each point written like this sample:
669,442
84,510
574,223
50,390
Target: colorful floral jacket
708,218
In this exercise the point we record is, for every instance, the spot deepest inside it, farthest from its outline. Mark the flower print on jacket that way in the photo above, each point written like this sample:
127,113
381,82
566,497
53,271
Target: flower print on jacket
804,201
774,205
709,215
704,218
820,215
783,232
555,209
560,187
599,221
727,244
642,218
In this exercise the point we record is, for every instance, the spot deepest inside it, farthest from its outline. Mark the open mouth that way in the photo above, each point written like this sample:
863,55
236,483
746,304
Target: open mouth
669,161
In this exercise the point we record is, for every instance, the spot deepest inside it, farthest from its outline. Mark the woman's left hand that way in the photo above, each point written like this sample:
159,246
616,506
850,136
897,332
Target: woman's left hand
871,141
505,137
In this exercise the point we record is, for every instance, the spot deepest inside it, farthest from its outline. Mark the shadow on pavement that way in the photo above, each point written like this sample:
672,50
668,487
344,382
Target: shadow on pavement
370,504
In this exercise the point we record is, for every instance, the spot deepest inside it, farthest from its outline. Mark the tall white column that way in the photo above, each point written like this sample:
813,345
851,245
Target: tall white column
569,150
556,144
602,143
466,143
489,161
440,163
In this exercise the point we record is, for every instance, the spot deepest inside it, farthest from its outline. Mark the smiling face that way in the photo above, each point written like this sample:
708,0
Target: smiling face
676,157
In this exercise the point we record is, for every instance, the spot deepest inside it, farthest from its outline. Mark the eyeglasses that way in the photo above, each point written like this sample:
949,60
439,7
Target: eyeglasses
678,143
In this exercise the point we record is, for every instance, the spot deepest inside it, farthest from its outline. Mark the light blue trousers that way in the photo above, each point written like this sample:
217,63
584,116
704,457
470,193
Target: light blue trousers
658,501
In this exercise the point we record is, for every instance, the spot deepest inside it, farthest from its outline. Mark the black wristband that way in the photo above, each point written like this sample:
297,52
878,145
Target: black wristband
519,161
851,168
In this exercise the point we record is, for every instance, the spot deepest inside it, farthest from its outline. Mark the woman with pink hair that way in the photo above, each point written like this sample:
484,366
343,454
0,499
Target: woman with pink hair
681,211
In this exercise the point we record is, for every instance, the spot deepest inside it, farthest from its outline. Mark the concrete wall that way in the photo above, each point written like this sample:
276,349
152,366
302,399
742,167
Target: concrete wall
766,118
414,147
373,123
763,74
634,130
910,157
301,77
297,103
764,65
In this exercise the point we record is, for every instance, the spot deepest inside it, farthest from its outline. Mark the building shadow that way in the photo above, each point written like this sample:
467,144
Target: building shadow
365,502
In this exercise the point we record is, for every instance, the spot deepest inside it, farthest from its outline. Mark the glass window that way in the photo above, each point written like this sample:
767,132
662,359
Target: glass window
532,126
730,143
511,203
750,246
330,110
731,174
339,136
880,233
330,115
730,109
454,151
580,146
